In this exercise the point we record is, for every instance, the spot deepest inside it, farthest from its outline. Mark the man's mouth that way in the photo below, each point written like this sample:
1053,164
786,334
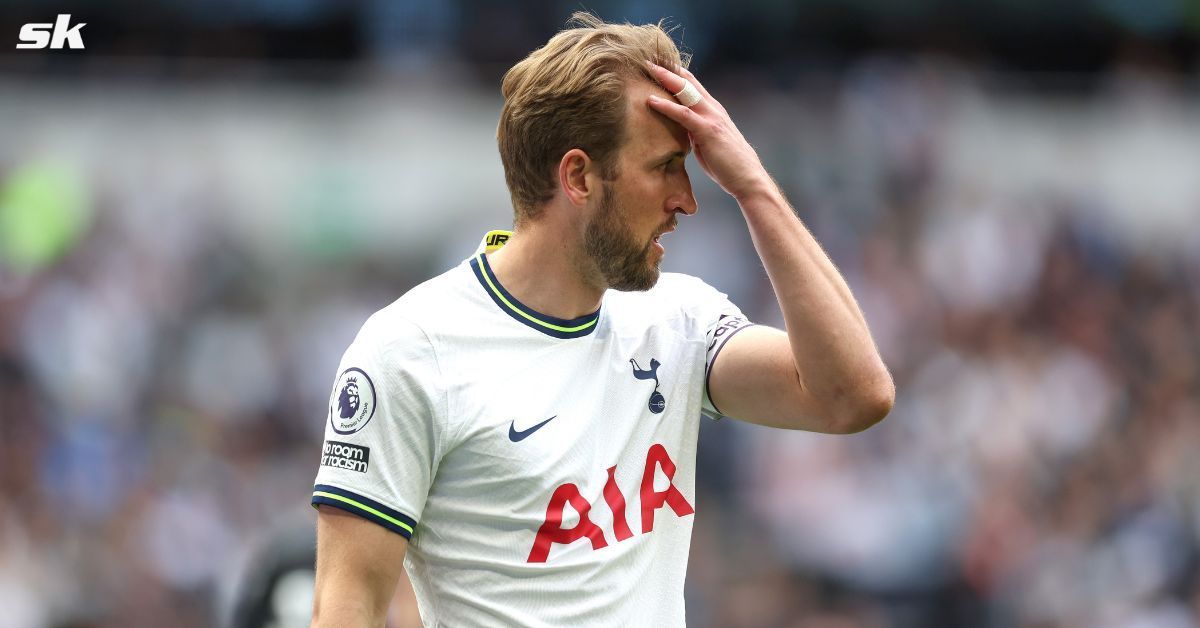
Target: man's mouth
668,229
657,244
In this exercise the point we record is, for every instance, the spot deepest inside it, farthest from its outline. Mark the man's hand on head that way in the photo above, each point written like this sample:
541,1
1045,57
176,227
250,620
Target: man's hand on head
722,151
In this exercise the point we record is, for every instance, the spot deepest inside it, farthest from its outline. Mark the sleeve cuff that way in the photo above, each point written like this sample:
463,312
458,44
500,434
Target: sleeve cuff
367,508
711,362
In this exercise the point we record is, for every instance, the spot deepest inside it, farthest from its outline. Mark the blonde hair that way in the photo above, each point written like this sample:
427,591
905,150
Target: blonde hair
568,94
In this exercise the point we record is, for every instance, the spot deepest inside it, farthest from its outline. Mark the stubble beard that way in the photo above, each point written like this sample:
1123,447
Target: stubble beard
615,252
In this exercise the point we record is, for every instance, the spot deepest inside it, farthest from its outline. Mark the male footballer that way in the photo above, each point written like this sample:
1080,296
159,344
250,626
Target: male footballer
519,433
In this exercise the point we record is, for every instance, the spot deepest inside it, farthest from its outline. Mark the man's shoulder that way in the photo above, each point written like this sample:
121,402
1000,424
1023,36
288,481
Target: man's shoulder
675,283
674,291
426,309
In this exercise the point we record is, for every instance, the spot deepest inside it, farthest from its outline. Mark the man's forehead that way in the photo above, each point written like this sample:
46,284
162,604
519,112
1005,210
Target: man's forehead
648,128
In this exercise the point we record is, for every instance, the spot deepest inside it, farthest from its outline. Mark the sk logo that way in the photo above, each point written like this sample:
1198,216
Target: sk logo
657,401
55,36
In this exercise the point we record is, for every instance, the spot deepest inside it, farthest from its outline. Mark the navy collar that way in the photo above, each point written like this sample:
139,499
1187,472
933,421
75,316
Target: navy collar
549,325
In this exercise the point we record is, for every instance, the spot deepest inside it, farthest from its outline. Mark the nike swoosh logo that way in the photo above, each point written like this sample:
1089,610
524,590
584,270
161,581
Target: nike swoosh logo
517,437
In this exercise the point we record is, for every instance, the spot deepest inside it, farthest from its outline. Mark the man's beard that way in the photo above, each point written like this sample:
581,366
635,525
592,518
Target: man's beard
621,259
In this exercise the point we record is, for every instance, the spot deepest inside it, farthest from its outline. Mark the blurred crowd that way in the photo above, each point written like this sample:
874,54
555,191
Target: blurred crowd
164,376
1038,468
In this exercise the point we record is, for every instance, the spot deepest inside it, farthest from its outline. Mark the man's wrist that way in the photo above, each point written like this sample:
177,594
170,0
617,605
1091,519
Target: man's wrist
757,190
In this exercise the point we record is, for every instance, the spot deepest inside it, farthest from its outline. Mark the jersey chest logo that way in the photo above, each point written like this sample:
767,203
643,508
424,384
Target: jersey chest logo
517,436
657,402
650,500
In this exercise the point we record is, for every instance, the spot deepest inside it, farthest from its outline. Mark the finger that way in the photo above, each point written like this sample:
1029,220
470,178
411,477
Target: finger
674,83
689,119
670,81
687,74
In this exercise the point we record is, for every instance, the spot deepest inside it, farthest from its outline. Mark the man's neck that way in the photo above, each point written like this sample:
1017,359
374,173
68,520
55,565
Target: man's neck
539,267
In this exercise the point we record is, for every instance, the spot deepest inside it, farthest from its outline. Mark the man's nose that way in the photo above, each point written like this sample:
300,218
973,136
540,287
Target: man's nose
688,207
684,201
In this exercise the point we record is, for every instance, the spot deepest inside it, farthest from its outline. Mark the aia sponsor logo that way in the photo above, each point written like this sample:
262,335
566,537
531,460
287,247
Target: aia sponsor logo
649,502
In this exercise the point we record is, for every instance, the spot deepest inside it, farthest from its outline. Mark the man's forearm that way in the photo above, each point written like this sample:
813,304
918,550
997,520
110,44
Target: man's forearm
835,356
339,616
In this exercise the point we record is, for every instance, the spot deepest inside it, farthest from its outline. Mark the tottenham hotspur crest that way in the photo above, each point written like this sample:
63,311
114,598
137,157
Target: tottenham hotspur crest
657,402
352,403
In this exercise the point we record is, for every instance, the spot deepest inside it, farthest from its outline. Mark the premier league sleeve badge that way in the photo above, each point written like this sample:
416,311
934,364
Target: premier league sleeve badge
352,403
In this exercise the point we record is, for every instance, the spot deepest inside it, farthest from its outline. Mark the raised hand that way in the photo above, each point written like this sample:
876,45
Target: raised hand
722,151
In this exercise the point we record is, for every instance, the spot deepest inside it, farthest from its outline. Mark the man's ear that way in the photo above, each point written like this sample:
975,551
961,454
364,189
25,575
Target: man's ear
575,171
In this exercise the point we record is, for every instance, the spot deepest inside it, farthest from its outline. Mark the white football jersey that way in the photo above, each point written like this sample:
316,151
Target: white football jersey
542,469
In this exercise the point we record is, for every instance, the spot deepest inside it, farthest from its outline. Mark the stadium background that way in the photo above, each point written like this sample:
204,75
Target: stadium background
198,210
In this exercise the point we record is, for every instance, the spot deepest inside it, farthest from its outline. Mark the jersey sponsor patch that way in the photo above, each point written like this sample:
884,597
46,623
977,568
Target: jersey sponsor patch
493,240
352,403
345,456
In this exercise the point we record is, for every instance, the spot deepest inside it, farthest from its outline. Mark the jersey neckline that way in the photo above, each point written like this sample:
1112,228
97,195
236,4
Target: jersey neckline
549,325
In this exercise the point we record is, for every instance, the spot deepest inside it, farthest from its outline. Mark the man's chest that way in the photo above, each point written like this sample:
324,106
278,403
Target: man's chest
543,406
605,417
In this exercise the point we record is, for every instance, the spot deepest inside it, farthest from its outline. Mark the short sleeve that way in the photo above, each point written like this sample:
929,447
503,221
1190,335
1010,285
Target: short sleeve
382,429
722,320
